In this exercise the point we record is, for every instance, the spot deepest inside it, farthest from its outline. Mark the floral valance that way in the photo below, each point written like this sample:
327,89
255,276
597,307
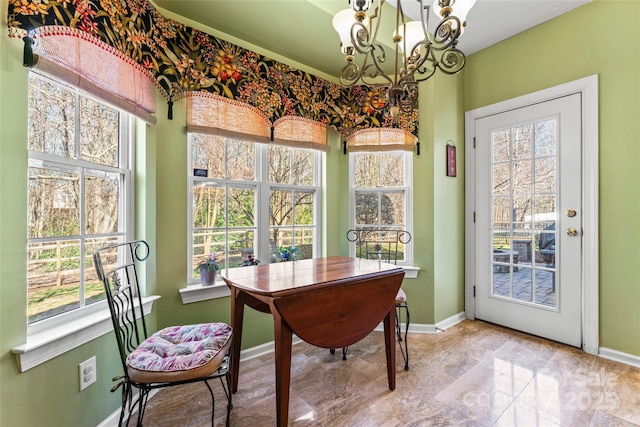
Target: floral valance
181,59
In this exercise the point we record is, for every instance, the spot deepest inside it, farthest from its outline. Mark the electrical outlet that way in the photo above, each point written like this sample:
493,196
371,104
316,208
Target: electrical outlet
87,372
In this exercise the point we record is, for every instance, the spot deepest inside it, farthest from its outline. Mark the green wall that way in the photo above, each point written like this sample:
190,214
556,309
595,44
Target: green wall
568,45
572,46
438,205
46,395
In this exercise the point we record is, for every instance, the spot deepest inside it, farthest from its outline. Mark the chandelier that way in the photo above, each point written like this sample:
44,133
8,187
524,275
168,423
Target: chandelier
418,52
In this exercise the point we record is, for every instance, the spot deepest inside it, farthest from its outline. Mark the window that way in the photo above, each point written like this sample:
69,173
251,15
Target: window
381,193
78,190
248,199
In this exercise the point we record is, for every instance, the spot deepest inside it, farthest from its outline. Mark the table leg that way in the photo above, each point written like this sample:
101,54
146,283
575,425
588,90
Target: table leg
390,345
283,369
237,314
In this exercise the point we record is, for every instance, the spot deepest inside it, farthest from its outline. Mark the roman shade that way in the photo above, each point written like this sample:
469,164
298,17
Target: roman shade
381,139
299,132
215,115
79,59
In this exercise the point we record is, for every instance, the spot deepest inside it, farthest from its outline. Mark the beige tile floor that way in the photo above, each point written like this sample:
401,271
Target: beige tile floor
473,374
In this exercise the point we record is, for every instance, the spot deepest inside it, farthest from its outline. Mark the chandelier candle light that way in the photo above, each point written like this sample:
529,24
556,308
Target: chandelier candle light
418,53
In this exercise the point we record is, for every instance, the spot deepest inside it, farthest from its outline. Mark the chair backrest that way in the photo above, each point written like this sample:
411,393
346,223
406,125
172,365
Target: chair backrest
384,244
116,267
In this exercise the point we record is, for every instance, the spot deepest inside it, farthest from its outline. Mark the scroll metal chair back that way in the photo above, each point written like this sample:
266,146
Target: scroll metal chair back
379,244
387,245
172,356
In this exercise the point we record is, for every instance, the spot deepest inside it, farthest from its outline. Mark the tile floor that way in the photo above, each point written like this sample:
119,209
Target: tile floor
473,374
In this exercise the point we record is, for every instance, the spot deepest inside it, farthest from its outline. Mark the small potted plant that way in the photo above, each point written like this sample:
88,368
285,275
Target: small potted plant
208,269
287,254
251,260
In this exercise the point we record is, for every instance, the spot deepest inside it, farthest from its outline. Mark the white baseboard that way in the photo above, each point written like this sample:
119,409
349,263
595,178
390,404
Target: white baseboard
451,321
263,349
618,356
112,420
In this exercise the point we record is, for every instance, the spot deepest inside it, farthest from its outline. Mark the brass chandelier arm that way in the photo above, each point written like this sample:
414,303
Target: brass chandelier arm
447,33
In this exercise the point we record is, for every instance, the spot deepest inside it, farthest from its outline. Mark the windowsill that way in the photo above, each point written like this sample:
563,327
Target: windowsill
198,292
410,272
47,343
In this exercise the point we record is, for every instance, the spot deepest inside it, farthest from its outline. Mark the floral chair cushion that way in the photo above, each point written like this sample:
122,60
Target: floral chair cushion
180,352
401,297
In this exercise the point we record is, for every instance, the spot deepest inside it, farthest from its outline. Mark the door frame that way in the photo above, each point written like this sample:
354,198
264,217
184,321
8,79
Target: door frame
588,88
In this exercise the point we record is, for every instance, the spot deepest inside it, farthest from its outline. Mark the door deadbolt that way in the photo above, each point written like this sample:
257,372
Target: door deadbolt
571,213
572,232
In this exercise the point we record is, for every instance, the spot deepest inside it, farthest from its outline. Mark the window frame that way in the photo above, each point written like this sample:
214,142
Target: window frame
55,335
81,166
407,189
197,292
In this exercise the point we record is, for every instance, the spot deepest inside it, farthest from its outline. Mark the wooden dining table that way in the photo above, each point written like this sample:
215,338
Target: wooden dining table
328,302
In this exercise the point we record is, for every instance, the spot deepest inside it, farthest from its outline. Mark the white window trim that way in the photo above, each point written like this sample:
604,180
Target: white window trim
196,292
411,272
57,335
199,292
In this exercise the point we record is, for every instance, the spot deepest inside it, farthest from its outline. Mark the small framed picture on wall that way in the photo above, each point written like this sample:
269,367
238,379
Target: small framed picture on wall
451,160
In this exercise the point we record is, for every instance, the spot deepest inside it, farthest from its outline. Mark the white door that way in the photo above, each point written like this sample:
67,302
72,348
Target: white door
528,219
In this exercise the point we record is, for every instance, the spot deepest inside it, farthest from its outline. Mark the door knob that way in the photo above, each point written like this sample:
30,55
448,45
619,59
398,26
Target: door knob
572,232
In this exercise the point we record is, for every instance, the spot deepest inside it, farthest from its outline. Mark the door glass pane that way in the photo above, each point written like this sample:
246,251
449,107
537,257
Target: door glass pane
501,179
522,141
545,144
501,145
522,284
522,177
545,175
524,206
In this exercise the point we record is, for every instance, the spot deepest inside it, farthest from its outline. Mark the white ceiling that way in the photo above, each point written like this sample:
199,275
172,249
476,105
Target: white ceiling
491,21
301,30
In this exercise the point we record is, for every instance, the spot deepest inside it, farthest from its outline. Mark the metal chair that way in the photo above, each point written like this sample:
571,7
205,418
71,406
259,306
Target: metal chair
385,245
172,356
